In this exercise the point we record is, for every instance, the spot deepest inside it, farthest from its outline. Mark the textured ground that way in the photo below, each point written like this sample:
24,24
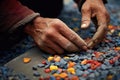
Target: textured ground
71,17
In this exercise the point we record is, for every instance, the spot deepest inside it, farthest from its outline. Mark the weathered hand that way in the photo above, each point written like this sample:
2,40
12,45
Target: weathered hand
54,36
95,10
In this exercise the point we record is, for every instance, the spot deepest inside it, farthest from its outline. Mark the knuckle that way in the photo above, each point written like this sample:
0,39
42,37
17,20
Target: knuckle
104,12
44,40
68,46
71,48
56,23
57,20
72,37
49,33
85,9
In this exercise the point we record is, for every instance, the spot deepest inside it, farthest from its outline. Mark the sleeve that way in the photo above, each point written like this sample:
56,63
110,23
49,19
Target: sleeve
13,14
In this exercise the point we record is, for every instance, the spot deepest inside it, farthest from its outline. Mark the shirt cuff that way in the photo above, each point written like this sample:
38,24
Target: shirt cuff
24,21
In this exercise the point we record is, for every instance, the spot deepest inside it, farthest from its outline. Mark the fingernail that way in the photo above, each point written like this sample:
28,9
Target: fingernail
90,45
83,25
85,48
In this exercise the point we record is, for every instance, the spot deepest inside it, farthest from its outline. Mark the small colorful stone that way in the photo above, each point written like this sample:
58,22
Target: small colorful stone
50,58
84,61
44,62
71,70
74,78
63,75
26,60
53,67
34,67
57,58
47,70
71,64
40,65
36,74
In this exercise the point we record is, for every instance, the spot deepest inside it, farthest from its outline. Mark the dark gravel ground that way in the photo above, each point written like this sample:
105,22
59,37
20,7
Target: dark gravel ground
72,18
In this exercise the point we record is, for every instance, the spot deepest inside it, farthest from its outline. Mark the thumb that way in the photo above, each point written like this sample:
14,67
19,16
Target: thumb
86,18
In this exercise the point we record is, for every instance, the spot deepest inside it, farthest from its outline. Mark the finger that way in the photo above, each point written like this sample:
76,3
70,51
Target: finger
64,43
47,49
101,31
54,46
73,37
98,37
86,17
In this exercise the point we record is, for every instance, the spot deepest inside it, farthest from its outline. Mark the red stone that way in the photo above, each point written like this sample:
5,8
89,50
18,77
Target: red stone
47,70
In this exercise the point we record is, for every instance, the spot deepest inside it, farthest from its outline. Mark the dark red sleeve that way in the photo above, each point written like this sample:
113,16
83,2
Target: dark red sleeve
13,14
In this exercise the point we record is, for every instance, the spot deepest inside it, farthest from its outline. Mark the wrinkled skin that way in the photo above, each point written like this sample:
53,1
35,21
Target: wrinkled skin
95,10
54,36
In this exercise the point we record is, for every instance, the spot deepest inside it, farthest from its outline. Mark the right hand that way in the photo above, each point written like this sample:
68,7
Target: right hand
53,36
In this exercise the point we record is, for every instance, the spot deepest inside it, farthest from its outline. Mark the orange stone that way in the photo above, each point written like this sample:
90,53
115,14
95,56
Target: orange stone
63,75
55,74
98,54
58,78
74,78
117,48
71,64
26,60
84,61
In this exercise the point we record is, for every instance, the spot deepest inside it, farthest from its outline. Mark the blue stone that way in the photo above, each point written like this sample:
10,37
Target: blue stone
52,78
36,74
40,65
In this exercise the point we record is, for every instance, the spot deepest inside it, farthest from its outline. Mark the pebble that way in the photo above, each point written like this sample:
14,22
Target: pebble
47,70
36,74
34,67
52,78
53,67
26,60
40,65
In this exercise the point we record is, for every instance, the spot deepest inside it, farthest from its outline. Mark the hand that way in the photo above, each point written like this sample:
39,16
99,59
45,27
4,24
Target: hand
95,10
54,36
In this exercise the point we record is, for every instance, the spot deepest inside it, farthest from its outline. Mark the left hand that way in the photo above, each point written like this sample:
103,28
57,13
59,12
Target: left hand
95,10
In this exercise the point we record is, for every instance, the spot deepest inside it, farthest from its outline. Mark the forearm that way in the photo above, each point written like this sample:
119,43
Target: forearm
13,15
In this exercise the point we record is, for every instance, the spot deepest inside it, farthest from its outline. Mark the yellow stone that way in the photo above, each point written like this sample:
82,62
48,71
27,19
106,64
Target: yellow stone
53,67
71,70
66,57
109,77
50,58
119,34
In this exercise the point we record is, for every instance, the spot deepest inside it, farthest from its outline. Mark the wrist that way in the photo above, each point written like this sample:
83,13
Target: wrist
31,26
